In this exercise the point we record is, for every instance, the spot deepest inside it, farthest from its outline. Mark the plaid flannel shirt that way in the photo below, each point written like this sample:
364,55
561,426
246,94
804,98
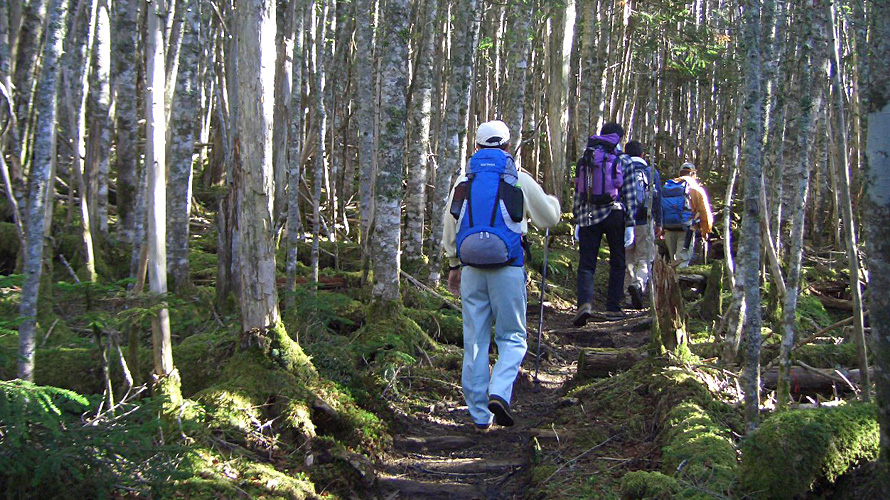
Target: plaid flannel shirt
587,214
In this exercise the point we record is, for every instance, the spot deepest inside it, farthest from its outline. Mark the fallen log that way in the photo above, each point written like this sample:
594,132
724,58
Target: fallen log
603,362
830,302
811,379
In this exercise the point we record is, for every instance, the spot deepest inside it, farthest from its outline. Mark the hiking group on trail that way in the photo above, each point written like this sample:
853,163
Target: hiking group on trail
617,194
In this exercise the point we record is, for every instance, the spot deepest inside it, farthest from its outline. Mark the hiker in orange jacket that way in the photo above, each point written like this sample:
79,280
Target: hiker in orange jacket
684,217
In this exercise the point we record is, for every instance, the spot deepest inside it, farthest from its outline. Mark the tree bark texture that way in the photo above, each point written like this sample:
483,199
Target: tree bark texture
124,79
750,240
41,184
393,93
876,213
155,165
253,175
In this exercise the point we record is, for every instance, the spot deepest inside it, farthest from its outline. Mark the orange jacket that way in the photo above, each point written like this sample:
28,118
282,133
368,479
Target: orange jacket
699,203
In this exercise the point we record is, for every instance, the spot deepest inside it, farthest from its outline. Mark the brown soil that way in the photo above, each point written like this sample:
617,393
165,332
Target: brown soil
438,455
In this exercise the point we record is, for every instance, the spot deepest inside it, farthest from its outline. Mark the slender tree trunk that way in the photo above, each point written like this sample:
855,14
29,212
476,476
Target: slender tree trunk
283,87
365,92
184,123
295,161
321,118
100,131
750,240
518,47
876,213
454,129
166,378
846,209
393,89
813,58
41,184
418,151
255,27
126,150
557,113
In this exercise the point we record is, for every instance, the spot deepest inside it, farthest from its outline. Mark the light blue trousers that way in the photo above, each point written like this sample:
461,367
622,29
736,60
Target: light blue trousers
488,295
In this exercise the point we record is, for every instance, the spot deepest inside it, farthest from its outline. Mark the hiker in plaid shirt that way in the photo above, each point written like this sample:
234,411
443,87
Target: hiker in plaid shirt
596,220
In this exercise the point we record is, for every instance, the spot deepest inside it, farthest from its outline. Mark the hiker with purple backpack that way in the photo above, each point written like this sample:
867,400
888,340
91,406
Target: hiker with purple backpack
605,202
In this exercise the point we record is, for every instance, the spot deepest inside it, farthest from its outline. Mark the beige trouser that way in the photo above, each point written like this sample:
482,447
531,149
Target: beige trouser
639,256
676,243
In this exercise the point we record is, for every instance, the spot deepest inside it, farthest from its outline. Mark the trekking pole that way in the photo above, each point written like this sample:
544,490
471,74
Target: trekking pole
541,316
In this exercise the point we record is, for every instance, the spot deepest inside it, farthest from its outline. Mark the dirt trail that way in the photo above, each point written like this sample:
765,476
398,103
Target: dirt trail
438,455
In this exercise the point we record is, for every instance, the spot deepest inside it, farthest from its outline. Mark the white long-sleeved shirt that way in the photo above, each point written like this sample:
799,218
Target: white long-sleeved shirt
539,207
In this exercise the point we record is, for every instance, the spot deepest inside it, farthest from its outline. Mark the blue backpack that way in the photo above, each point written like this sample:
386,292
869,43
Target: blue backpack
642,179
677,213
488,207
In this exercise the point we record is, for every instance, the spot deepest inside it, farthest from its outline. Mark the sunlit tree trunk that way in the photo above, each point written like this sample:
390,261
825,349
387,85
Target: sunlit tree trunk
185,113
100,129
365,92
517,57
813,58
41,185
846,209
561,36
255,28
166,378
875,214
454,131
393,90
320,127
750,250
418,151
283,87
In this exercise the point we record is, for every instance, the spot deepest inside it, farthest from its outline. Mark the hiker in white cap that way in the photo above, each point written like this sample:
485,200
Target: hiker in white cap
488,212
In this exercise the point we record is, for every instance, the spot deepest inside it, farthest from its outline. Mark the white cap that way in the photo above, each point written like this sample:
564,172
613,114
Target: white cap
493,133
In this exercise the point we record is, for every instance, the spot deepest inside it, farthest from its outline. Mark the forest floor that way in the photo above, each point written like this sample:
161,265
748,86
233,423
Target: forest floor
437,454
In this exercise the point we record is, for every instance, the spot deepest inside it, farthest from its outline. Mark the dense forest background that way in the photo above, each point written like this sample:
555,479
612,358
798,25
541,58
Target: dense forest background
245,157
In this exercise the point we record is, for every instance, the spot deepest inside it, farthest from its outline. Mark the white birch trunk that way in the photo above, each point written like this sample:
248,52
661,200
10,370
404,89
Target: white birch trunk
322,125
749,250
253,175
518,47
184,122
41,185
283,88
393,90
155,165
418,151
561,36
100,132
365,92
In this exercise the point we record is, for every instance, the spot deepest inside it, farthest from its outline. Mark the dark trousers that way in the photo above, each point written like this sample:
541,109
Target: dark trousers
589,241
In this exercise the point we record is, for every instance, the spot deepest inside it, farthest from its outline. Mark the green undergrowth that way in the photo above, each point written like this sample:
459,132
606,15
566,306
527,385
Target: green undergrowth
817,445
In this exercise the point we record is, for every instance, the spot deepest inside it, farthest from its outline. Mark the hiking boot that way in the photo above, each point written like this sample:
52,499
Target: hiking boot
614,315
584,313
636,296
501,410
481,428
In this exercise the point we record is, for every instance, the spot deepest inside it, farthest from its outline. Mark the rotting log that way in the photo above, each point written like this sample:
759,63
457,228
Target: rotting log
598,363
834,303
711,305
671,331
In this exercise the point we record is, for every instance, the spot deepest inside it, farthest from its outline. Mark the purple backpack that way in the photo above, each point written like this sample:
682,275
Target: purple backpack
598,175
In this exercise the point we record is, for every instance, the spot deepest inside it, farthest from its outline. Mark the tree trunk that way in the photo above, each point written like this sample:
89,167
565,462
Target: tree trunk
284,74
561,36
321,125
517,50
165,375
185,111
295,160
393,90
875,214
810,107
599,363
846,209
460,85
365,95
253,174
100,132
41,185
418,152
126,150
749,251
670,332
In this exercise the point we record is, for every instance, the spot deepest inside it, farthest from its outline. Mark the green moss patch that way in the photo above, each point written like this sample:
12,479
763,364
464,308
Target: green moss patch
643,485
817,444
698,449
442,325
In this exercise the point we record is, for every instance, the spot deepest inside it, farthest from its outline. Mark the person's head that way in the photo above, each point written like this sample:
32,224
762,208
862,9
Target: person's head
493,134
612,128
687,169
634,148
